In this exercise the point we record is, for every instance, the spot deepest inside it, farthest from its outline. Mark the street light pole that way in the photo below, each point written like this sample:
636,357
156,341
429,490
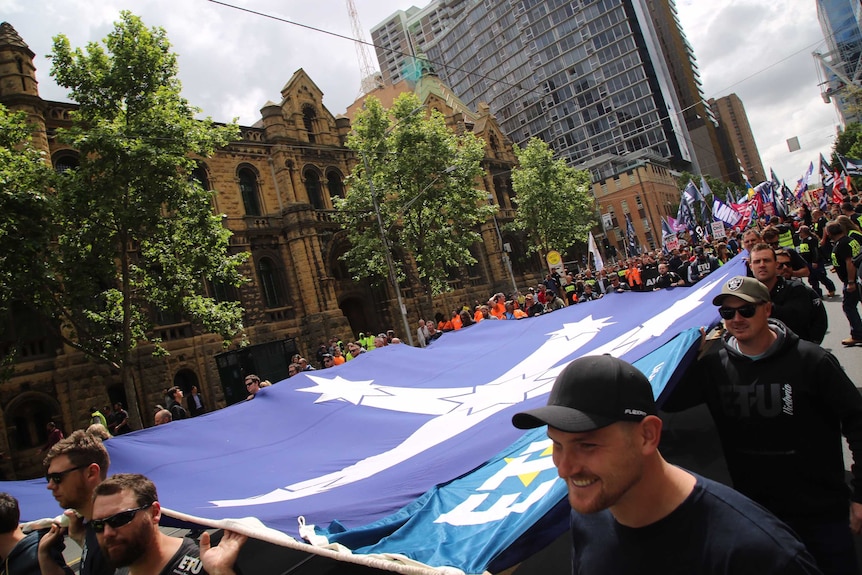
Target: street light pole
507,261
392,276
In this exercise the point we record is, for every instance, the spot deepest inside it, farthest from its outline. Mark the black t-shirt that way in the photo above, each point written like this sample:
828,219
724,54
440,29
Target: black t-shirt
714,531
186,561
120,416
93,562
843,249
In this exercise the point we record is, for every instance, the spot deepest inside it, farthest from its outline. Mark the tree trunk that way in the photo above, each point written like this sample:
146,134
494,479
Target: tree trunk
126,372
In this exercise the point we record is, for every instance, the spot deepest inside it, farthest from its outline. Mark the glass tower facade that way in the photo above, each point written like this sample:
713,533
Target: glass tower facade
842,64
587,76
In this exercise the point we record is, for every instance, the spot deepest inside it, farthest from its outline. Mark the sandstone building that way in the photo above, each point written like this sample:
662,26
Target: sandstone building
276,186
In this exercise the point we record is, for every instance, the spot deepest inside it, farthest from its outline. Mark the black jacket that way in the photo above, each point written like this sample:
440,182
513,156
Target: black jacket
780,419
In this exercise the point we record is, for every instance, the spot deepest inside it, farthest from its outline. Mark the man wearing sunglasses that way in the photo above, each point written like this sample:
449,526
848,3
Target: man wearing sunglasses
74,467
127,512
780,406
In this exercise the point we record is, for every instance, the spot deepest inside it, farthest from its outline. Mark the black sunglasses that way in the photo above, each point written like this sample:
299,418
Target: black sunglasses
57,476
784,264
117,520
745,311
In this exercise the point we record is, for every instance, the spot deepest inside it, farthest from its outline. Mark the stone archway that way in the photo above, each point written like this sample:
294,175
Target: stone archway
354,310
26,418
185,379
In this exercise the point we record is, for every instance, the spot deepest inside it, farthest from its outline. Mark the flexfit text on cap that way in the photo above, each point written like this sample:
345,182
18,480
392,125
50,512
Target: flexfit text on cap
745,288
590,393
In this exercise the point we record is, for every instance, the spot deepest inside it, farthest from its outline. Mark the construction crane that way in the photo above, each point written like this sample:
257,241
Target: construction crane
371,78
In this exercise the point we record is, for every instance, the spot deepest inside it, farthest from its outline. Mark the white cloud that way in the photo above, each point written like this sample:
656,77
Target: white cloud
232,62
762,51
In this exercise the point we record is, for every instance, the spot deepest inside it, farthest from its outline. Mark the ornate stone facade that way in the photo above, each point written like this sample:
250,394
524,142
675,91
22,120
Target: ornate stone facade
275,188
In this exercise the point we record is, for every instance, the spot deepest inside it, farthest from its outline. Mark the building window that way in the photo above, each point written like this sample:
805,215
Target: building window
199,174
66,161
249,190
270,285
312,187
308,117
333,182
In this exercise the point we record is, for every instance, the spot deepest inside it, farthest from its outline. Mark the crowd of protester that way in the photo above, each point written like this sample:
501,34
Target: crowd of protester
802,237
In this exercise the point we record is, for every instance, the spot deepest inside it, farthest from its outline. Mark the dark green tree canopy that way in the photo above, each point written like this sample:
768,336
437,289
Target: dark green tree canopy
25,231
424,177
135,232
555,204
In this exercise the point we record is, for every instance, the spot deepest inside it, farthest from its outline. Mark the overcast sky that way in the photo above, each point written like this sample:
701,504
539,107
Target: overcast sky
232,62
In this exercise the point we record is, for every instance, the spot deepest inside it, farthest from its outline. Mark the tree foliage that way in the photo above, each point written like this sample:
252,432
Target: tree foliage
25,232
424,176
136,232
25,180
848,143
555,206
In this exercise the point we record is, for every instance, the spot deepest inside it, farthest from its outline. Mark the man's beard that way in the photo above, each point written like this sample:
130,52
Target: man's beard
136,544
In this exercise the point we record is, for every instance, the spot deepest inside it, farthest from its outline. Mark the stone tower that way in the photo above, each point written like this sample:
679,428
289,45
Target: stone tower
19,90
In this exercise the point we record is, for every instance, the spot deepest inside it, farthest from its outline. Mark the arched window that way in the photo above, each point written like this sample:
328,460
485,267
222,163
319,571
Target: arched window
200,175
308,117
249,190
65,161
312,186
336,187
26,418
270,284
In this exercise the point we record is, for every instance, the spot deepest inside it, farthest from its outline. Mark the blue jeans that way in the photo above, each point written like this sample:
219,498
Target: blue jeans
850,306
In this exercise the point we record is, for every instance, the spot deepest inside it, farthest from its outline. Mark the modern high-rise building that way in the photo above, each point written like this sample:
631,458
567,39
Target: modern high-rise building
588,77
404,36
841,64
734,122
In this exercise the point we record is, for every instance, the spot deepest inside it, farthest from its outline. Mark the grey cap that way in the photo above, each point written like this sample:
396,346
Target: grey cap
745,288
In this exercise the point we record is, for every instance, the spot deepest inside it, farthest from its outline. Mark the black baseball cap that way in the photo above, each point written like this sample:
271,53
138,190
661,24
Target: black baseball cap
590,393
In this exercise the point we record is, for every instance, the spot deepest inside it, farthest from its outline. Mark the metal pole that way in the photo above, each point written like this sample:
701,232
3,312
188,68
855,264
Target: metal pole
507,262
392,277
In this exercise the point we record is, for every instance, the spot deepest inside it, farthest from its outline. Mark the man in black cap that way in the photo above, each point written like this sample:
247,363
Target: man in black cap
780,406
633,512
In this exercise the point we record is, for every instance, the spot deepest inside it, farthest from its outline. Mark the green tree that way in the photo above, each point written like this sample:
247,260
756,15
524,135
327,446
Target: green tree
423,176
25,180
555,206
136,231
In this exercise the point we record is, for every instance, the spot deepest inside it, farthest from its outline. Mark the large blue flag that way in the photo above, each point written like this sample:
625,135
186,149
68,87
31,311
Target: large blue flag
358,442
515,492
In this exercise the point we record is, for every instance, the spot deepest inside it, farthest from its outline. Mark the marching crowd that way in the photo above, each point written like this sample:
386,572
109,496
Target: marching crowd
781,433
